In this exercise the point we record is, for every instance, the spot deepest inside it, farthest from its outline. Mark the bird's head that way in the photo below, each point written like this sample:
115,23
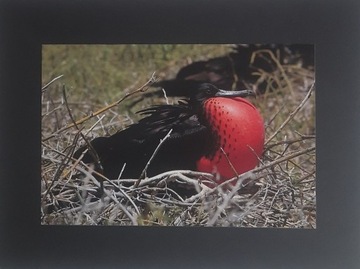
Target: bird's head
207,90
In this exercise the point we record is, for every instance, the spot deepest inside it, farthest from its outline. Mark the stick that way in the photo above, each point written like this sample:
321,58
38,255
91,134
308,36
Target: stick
152,157
229,162
227,199
278,64
43,89
292,114
285,158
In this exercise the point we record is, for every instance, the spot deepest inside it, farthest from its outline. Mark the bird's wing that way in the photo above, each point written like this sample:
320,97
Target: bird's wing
161,119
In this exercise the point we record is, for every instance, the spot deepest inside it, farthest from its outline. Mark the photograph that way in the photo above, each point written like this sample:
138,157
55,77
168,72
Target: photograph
206,135
179,134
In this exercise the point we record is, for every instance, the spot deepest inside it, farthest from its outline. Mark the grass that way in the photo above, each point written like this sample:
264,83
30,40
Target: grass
95,76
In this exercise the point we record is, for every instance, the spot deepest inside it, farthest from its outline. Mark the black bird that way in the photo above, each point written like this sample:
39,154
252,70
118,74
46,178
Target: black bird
199,126
236,69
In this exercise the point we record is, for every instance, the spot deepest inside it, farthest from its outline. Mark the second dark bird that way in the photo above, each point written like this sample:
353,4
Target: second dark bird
236,69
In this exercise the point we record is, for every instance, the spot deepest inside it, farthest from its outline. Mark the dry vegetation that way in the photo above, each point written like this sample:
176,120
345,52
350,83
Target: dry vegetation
93,77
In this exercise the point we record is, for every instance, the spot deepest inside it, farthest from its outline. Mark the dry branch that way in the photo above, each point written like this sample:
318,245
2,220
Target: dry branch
143,173
43,89
292,114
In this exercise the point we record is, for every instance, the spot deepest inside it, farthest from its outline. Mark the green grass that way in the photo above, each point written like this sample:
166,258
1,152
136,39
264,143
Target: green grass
97,75
102,73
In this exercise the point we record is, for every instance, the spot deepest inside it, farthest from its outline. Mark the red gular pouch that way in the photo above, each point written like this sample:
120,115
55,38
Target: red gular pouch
240,133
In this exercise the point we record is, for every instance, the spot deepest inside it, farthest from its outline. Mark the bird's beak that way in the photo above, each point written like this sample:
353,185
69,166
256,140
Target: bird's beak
242,93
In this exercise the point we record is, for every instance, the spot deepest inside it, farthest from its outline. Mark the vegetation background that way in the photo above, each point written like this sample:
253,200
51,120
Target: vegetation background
94,76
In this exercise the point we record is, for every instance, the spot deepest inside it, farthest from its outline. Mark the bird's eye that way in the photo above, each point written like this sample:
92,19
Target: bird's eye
208,91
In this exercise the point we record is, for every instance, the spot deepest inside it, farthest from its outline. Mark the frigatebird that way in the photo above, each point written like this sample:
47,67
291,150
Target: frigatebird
236,69
204,128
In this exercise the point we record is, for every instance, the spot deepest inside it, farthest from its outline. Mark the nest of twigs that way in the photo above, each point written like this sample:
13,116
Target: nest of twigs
280,192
